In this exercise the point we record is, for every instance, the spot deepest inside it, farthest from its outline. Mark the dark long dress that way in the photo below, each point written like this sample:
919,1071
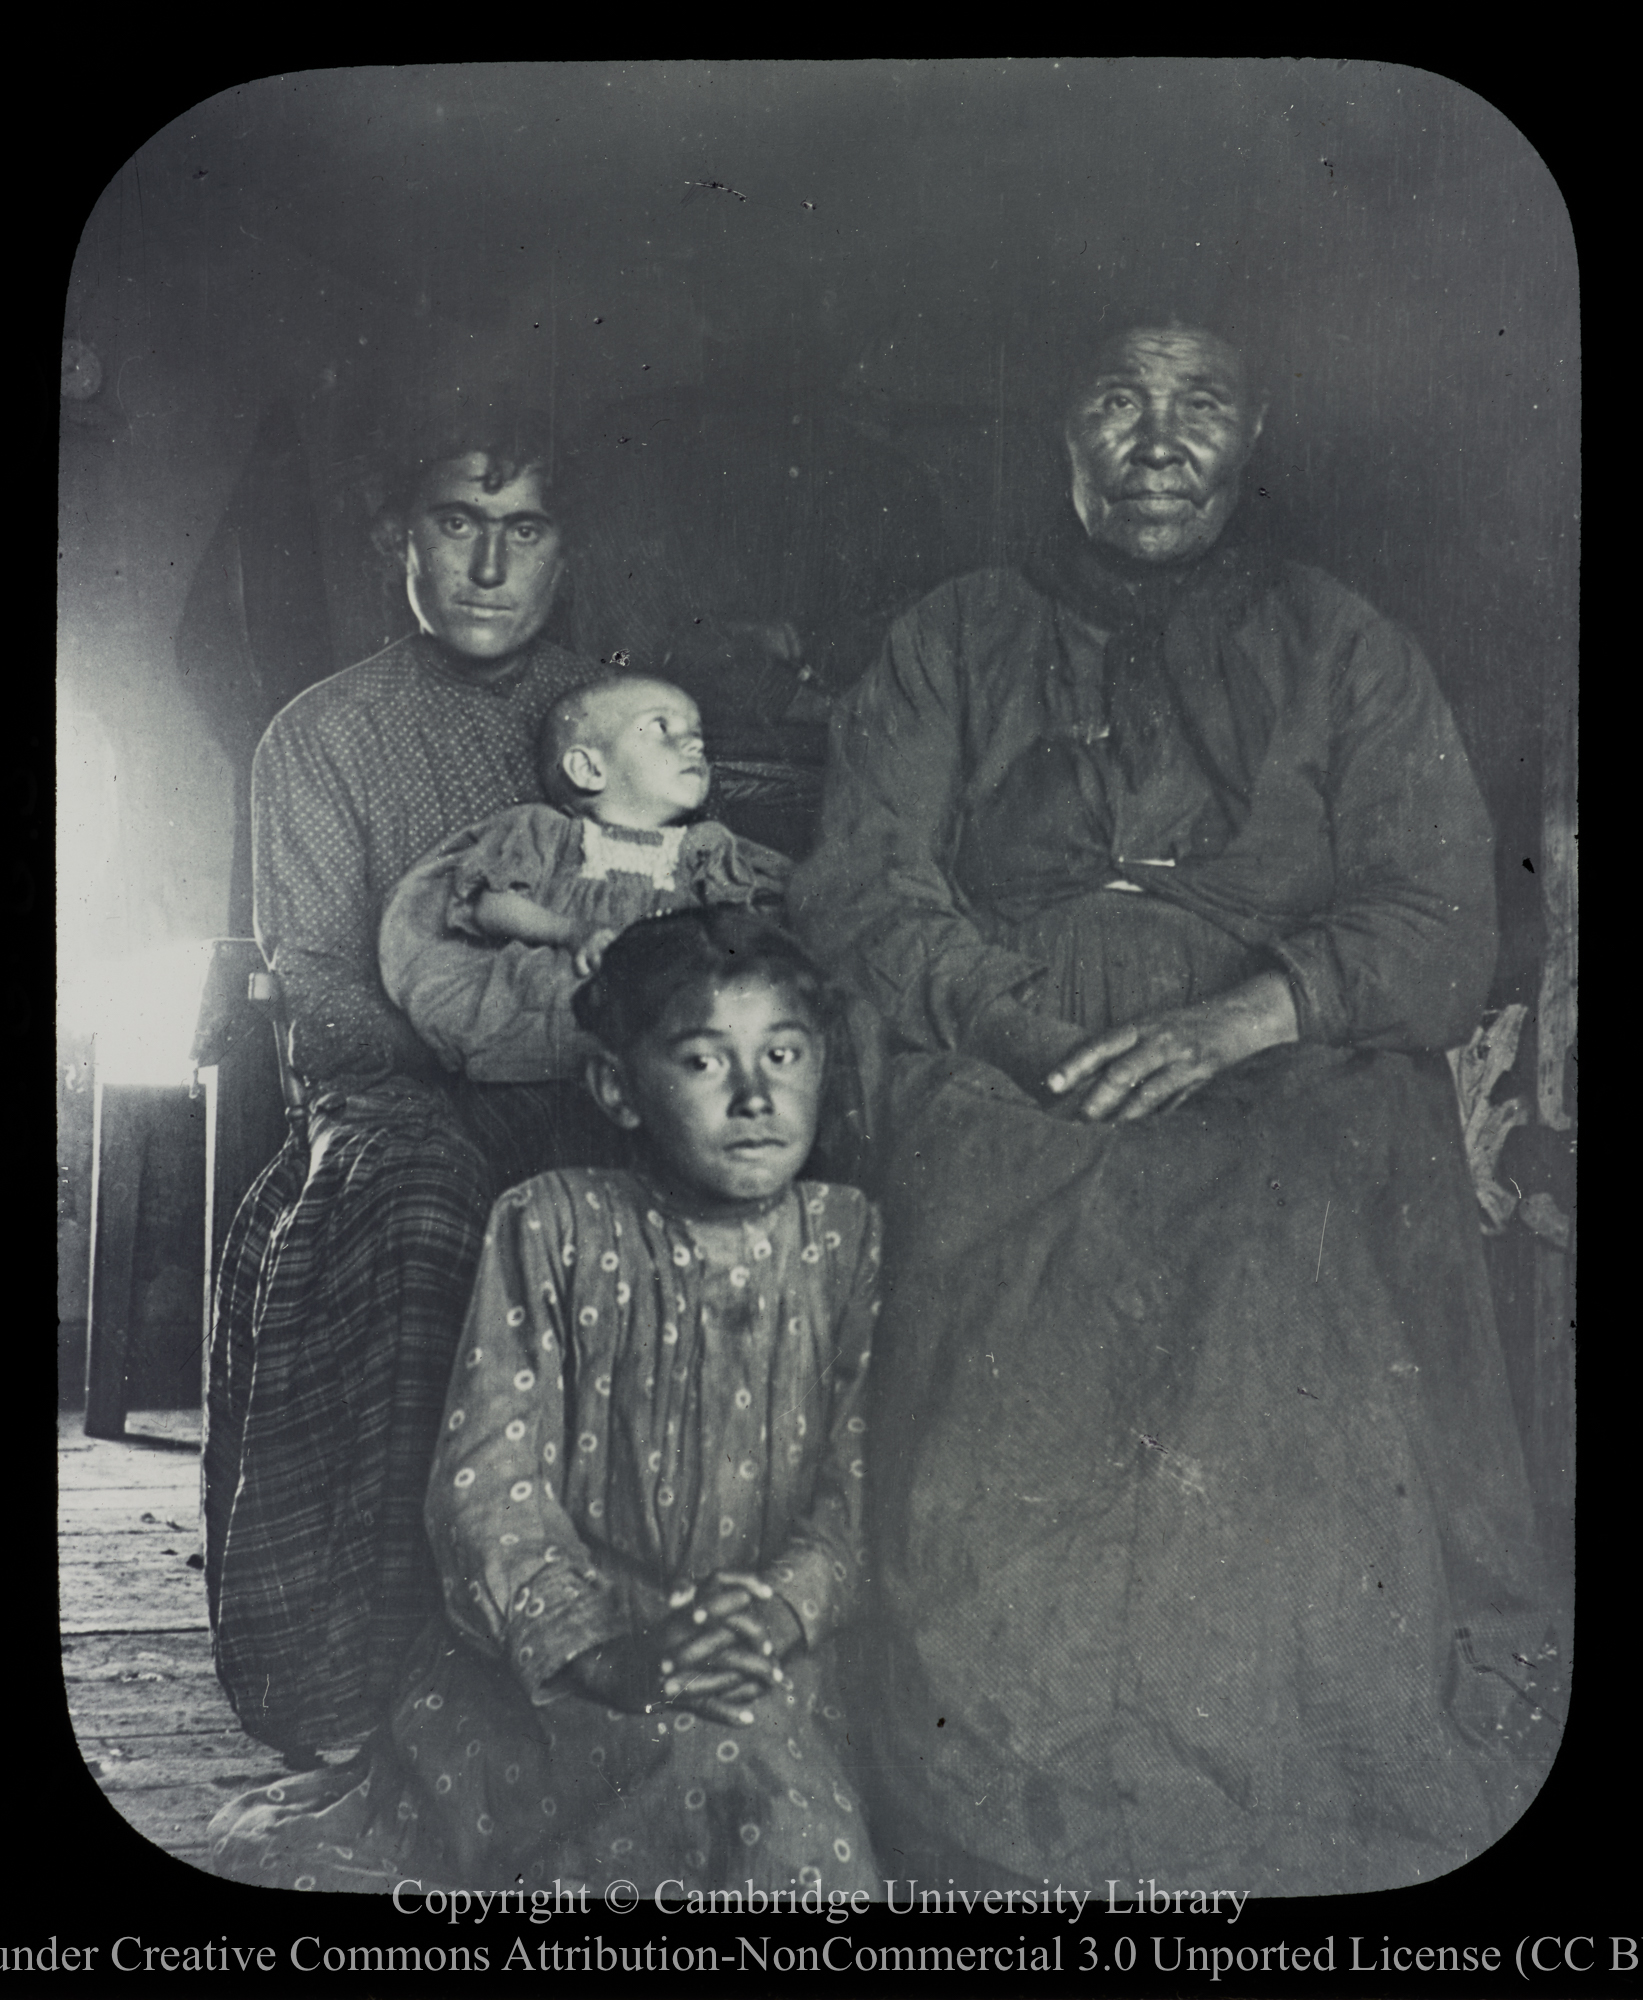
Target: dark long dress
1199,1516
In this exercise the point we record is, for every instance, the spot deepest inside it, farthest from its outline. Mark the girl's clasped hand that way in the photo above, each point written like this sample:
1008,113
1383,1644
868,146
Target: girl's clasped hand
720,1086
718,1650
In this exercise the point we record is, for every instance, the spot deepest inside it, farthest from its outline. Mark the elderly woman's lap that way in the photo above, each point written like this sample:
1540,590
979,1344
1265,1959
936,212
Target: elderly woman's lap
1206,1457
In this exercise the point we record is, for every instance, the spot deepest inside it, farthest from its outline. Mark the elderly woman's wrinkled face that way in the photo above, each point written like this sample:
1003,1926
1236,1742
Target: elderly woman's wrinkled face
1157,437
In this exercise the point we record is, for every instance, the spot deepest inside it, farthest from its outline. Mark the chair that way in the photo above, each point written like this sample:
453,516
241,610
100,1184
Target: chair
251,1098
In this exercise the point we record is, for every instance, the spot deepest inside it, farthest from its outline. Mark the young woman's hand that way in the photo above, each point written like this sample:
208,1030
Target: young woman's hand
717,1651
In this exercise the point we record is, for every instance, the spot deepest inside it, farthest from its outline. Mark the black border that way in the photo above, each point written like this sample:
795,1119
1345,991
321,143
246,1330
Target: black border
76,1868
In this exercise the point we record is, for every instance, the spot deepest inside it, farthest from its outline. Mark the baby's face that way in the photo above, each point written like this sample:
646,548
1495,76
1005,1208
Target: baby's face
649,740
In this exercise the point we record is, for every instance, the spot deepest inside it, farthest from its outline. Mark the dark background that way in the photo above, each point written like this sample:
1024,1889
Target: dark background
919,244
860,330
290,257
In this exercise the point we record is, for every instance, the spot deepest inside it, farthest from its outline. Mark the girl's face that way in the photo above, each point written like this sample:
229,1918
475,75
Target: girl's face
725,1089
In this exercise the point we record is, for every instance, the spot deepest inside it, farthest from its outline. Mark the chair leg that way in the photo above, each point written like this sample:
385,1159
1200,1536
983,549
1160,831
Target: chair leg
120,1147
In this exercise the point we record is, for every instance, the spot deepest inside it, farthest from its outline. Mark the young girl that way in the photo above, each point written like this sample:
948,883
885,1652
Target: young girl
485,940
646,1501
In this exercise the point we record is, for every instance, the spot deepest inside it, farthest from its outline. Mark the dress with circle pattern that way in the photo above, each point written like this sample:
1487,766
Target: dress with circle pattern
623,1368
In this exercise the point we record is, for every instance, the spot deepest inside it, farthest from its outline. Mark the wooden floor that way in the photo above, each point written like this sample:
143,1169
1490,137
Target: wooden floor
149,1717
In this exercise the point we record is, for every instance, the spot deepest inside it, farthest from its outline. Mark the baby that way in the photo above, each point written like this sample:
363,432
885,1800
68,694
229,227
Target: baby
485,940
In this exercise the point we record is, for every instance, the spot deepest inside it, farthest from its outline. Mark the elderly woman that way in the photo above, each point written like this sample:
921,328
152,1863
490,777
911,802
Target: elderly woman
1203,1543
346,1274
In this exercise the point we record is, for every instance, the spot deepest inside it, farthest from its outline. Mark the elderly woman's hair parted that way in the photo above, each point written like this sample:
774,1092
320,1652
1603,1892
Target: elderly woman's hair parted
1082,355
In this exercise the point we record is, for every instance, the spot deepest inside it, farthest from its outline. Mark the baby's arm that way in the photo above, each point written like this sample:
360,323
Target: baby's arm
510,913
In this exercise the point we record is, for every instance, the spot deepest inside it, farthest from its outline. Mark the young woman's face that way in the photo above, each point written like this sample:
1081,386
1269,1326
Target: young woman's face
482,568
726,1090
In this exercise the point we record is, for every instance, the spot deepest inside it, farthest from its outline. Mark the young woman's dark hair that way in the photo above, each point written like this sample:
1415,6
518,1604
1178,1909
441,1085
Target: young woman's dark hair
653,961
508,433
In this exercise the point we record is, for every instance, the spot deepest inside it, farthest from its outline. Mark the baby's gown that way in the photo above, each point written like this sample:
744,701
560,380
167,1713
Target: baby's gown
642,1398
501,1013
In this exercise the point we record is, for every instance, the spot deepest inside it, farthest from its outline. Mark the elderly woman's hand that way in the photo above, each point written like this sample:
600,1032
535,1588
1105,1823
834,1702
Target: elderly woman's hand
1152,1065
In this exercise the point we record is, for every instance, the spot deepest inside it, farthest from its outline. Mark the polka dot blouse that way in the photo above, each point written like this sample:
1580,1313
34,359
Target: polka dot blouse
355,780
642,1399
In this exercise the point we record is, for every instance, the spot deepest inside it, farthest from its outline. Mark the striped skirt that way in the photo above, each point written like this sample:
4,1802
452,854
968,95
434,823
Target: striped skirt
339,1303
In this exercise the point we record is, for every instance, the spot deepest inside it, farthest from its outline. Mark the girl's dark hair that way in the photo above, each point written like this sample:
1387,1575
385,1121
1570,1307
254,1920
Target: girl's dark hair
653,961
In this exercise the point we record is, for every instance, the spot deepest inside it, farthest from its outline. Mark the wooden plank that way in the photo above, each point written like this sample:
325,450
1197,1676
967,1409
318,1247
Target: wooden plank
163,1469
142,1426
138,1708
212,1766
163,1509
171,1820
145,1685
153,1726
109,1655
96,1596
119,1511
143,1555
119,1145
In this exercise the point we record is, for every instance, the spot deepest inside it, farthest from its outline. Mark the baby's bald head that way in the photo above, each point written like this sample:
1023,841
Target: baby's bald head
624,748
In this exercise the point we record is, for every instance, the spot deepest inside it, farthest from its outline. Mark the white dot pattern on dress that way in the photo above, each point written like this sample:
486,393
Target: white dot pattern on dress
677,1465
